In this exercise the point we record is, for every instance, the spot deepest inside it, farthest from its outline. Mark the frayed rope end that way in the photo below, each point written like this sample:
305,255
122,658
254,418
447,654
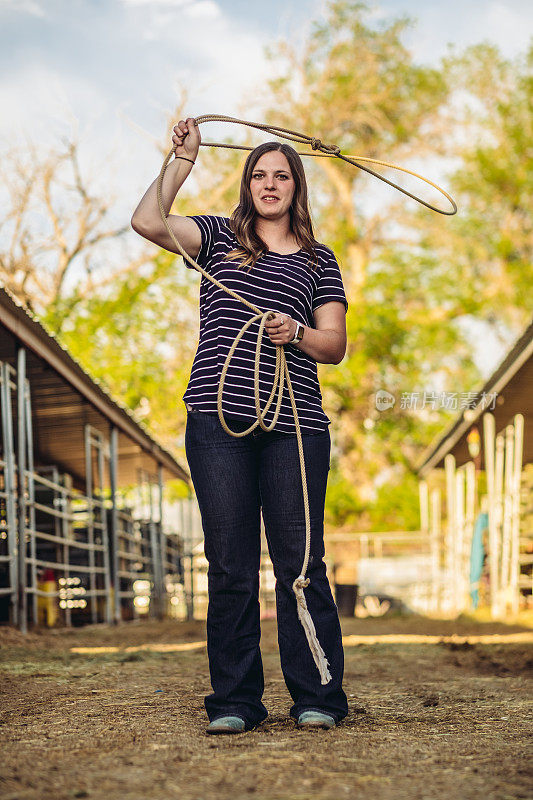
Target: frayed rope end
310,630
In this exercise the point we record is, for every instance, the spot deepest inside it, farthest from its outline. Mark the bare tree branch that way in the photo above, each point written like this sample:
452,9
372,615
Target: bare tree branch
51,223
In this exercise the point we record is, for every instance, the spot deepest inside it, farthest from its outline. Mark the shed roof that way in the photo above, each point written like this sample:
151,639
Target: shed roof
65,397
512,381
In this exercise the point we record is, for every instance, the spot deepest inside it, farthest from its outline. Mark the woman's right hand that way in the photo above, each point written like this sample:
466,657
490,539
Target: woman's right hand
187,138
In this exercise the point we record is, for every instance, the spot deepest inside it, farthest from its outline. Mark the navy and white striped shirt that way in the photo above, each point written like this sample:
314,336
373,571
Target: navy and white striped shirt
280,283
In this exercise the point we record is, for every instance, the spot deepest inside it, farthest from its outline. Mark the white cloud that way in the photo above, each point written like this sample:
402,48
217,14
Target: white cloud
193,8
23,7
170,3
195,54
205,9
42,105
509,26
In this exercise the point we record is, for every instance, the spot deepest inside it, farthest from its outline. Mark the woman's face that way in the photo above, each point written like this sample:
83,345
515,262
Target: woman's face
272,185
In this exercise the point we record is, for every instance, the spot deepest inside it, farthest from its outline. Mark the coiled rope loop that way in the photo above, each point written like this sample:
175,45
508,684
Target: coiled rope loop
281,371
328,151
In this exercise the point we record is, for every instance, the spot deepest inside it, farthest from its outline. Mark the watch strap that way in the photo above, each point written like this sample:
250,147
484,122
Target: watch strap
297,335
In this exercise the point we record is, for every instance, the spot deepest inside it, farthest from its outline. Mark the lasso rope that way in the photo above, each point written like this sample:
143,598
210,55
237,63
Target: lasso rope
282,371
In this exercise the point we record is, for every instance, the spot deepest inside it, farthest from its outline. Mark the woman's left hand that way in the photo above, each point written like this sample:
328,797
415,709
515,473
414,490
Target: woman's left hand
280,329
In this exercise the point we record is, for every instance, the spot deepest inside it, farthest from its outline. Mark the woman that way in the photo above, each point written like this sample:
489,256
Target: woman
267,253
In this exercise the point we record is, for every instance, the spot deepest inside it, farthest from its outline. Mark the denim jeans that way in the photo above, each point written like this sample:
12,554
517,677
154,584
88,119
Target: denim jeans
234,479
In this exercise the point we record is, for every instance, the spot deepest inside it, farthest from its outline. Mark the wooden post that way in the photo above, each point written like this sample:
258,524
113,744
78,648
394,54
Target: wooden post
489,428
515,523
507,483
434,537
499,465
449,551
423,494
469,523
458,539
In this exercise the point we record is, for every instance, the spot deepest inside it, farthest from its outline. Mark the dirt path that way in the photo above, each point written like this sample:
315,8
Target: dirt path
438,720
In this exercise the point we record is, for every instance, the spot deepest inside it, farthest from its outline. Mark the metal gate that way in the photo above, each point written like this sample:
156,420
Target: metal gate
8,510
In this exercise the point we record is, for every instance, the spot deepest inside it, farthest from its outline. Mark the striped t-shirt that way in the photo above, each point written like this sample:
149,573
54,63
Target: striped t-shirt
280,283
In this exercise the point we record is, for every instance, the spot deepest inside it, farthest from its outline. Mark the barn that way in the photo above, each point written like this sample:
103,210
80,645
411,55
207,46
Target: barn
83,534
476,494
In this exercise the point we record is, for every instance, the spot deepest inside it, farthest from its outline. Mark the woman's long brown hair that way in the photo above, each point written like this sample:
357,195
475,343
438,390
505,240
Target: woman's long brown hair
242,220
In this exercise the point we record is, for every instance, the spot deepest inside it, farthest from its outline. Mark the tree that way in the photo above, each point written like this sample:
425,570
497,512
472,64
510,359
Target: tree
355,84
488,247
53,224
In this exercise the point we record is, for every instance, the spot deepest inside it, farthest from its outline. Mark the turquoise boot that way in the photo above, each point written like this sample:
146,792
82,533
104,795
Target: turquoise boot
315,719
226,725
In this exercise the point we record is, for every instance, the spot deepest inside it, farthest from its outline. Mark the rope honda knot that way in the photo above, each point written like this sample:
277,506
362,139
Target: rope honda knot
300,583
330,149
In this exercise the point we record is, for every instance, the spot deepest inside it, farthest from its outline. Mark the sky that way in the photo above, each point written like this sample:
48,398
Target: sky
112,69
109,71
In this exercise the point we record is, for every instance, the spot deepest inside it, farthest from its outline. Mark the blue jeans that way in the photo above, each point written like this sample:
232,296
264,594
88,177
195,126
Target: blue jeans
234,478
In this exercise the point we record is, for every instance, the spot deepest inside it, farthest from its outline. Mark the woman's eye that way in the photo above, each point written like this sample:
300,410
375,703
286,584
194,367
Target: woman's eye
257,176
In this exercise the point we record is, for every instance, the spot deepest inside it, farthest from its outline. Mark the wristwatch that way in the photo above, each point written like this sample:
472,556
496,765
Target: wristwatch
298,336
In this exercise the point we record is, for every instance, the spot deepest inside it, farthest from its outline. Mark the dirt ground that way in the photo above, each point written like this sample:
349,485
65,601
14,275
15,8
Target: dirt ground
448,719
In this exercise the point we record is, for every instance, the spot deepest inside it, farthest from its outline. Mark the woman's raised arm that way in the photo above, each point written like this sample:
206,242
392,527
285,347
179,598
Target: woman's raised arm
146,219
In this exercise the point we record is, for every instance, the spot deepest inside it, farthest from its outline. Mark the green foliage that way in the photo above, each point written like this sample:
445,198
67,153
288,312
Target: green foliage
344,507
136,340
488,246
396,505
